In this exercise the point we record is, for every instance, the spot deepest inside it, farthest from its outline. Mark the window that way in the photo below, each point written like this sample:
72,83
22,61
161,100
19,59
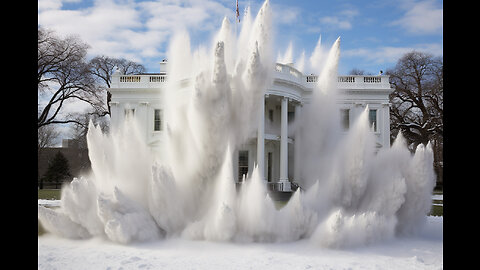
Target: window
157,120
129,113
345,118
290,116
242,164
372,119
270,115
269,167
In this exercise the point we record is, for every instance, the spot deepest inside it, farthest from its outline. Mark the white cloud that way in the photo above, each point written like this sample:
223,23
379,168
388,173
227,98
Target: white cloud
95,25
336,22
423,17
49,4
136,31
283,14
342,21
172,16
378,55
390,54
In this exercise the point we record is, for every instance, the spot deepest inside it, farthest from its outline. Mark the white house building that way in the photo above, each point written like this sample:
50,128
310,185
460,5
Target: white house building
273,149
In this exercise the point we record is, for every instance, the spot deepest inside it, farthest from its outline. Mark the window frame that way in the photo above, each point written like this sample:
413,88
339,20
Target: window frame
157,121
129,112
345,119
242,164
373,121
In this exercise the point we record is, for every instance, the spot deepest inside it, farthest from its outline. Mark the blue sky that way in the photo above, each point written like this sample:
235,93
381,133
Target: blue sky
374,34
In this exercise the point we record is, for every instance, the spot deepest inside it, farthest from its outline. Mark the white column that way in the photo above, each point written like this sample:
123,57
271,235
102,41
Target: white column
296,157
284,146
386,125
142,118
114,115
261,139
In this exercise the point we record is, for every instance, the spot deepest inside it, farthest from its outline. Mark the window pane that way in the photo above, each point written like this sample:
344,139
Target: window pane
372,118
129,112
157,121
290,116
345,118
242,164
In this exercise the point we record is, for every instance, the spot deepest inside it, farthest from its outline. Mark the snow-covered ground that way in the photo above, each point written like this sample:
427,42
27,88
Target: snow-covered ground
424,251
49,202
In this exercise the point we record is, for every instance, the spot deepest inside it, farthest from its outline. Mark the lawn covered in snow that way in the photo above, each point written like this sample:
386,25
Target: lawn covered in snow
424,251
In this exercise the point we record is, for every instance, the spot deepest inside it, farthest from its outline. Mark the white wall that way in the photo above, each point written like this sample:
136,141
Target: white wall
145,95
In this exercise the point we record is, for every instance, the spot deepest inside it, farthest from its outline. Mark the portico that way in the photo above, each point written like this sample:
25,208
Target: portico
273,135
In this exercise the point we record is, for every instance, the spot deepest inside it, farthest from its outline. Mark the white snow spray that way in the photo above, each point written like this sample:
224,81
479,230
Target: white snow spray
352,196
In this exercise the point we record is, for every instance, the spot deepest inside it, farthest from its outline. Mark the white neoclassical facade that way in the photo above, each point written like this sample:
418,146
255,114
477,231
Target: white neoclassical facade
273,149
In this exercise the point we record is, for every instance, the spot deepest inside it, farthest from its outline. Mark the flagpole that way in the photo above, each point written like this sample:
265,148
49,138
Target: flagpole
236,15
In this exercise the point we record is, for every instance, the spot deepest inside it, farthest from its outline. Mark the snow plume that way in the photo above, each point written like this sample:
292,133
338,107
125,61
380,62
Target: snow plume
221,223
351,195
125,220
111,201
373,197
164,205
79,201
341,230
420,180
318,126
287,58
57,222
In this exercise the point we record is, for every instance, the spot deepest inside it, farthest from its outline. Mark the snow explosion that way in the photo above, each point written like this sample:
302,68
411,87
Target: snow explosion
353,196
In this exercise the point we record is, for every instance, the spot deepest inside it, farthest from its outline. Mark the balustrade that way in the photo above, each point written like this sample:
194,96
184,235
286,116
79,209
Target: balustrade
130,78
311,78
142,79
372,79
348,81
158,78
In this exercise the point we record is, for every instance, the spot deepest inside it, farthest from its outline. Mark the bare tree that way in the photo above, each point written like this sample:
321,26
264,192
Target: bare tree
417,102
356,71
46,136
103,68
63,76
79,131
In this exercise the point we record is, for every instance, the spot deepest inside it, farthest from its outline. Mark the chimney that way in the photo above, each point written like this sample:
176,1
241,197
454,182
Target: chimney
163,66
